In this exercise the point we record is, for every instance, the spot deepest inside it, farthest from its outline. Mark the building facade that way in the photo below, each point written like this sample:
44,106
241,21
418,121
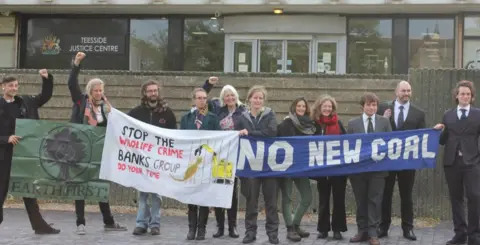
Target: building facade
279,36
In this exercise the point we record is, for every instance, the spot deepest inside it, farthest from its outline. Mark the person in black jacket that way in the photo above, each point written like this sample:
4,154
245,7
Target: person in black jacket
297,123
153,110
324,112
12,107
228,109
259,121
90,108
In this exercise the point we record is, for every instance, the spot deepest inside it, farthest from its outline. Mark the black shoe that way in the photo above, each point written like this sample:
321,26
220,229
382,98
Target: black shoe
273,239
220,232
48,231
201,233
139,231
322,235
337,235
249,238
410,235
232,232
155,231
458,240
191,233
382,232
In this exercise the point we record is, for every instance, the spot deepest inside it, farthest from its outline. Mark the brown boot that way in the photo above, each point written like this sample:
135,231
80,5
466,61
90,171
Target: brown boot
373,241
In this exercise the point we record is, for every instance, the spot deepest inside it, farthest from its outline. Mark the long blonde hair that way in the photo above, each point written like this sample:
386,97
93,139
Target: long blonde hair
316,108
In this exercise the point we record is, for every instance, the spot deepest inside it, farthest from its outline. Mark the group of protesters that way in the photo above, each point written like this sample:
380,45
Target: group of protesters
373,191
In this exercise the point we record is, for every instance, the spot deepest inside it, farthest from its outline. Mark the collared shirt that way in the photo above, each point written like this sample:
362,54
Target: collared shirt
365,122
406,107
459,112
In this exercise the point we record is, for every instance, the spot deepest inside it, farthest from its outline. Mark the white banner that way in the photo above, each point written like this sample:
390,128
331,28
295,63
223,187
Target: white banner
192,166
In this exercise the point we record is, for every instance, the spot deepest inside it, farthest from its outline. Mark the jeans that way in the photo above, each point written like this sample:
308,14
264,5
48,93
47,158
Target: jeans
148,217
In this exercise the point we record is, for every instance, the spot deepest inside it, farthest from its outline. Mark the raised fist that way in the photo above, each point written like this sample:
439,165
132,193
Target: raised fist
43,73
78,58
212,80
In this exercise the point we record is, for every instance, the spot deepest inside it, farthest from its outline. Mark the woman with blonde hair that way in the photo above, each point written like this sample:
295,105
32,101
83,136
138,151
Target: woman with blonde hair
259,120
228,108
91,108
324,113
297,123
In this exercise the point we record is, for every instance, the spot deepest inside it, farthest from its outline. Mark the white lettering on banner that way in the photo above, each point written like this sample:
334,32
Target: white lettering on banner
255,160
316,152
331,152
191,166
352,156
395,147
272,156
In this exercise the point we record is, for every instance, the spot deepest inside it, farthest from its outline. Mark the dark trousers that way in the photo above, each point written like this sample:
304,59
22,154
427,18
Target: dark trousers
406,179
368,191
197,216
231,212
462,179
250,188
104,209
335,186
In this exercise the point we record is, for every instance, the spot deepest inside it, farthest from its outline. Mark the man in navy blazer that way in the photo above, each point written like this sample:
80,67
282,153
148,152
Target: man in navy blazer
461,130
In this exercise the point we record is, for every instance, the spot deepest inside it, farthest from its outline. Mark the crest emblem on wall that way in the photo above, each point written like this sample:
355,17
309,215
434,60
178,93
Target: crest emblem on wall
51,45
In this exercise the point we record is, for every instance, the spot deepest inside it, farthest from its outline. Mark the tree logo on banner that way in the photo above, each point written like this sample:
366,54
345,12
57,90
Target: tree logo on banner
221,170
65,154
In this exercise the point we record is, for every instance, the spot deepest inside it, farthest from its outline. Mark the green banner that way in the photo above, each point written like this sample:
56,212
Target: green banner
57,160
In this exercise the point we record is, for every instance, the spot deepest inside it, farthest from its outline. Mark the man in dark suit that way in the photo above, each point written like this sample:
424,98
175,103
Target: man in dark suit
403,115
368,187
461,161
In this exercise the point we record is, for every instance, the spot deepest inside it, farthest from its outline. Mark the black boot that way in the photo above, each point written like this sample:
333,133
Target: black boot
202,223
220,217
232,232
192,222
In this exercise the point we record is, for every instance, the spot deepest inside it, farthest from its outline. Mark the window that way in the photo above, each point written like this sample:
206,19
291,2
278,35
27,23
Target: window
369,45
52,43
471,42
148,44
431,43
7,42
203,45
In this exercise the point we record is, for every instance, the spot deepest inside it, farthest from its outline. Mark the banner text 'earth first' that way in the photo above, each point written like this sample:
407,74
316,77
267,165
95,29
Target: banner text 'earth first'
329,155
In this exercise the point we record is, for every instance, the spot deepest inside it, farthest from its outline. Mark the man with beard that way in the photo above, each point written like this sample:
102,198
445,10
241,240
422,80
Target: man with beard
403,115
12,107
155,111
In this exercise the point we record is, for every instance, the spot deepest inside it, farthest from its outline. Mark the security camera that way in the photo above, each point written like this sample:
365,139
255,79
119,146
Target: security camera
217,14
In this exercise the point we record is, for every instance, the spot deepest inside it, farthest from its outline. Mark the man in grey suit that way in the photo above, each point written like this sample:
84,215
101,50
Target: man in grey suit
368,186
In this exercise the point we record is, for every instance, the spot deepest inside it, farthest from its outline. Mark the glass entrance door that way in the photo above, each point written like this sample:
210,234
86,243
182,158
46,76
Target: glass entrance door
243,53
284,56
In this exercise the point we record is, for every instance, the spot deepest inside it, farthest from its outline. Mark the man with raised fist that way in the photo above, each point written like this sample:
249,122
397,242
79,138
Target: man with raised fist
13,106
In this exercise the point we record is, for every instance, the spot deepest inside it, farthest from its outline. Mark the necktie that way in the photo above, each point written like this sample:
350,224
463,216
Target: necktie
464,114
400,118
370,126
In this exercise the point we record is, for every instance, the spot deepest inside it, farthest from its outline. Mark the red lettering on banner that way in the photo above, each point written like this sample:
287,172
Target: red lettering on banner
135,169
121,166
167,151
136,144
153,174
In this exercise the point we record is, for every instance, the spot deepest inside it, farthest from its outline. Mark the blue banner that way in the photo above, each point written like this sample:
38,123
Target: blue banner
315,156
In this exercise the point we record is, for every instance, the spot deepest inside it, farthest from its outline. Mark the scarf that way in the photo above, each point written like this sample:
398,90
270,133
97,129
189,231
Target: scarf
200,114
330,123
303,123
159,107
90,115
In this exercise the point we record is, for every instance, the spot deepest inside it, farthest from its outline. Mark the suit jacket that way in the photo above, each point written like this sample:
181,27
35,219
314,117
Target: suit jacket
382,124
461,135
415,118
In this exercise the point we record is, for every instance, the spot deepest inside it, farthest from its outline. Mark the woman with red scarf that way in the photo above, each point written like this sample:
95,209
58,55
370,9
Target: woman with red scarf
324,112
